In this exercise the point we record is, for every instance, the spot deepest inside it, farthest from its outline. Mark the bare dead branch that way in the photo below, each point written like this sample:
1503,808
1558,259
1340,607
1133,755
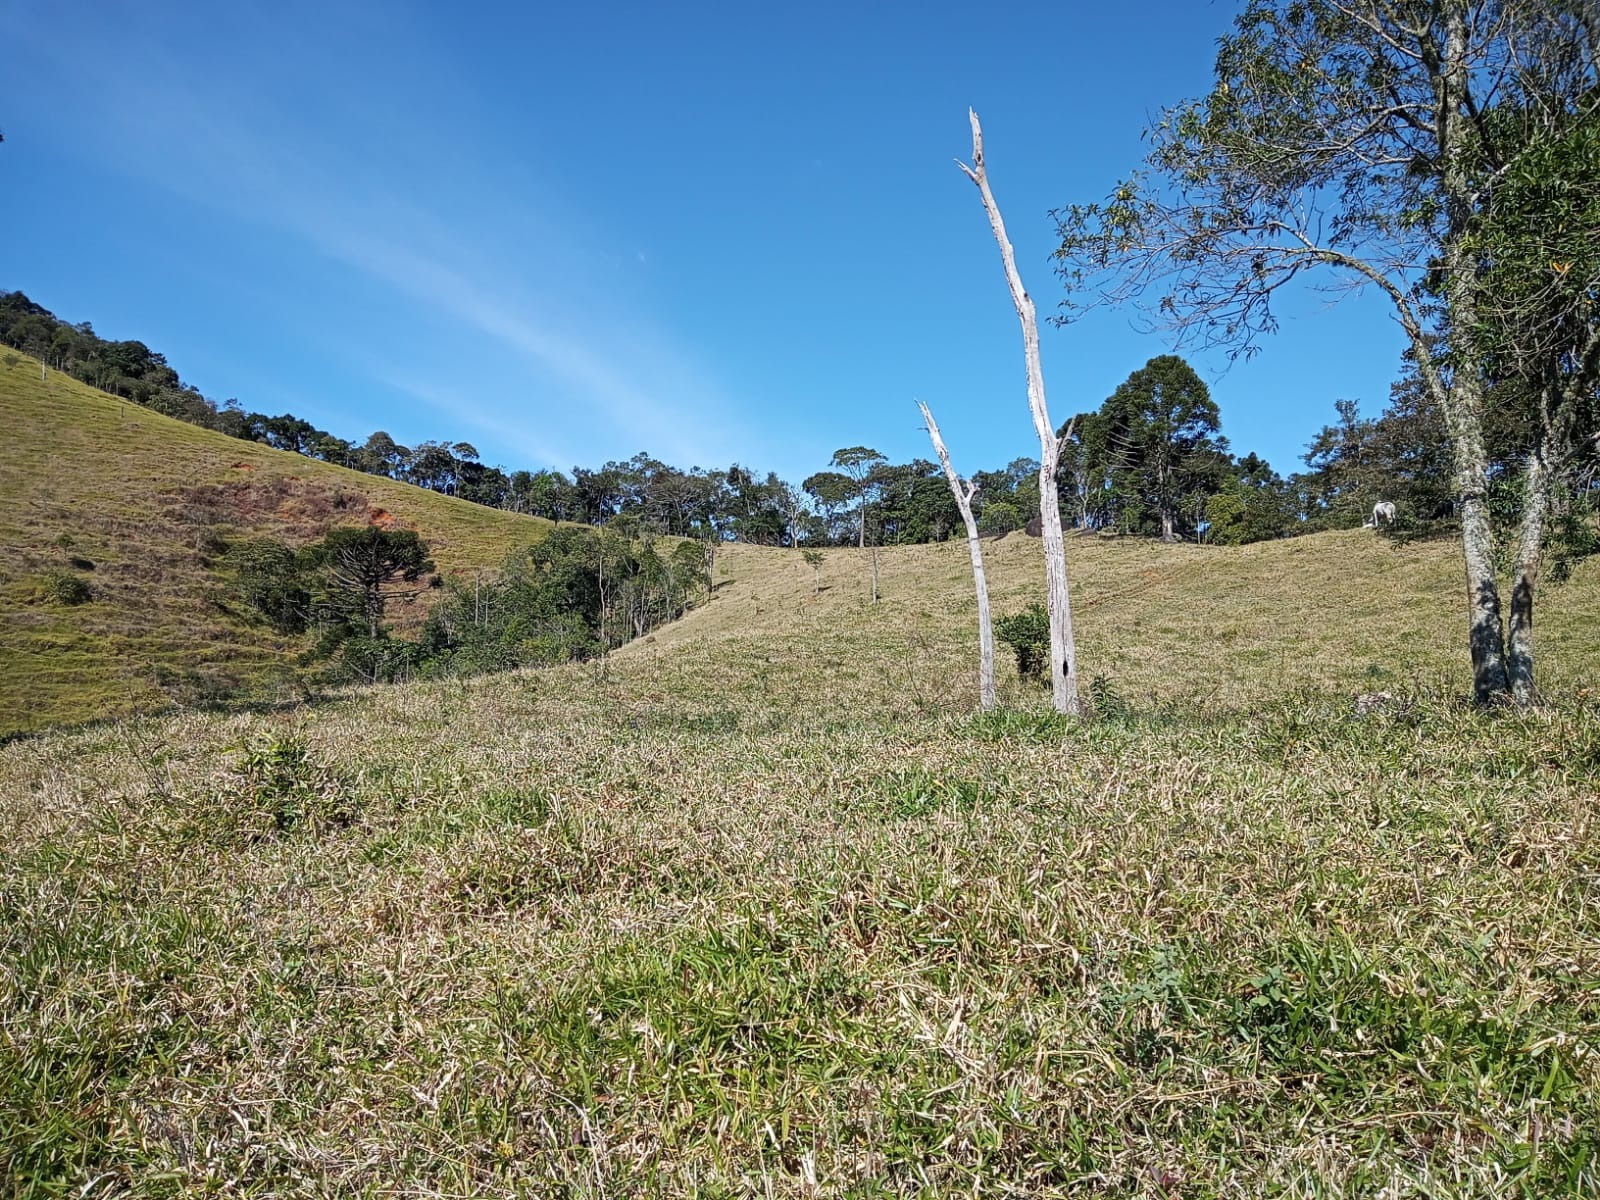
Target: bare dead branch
963,493
1063,648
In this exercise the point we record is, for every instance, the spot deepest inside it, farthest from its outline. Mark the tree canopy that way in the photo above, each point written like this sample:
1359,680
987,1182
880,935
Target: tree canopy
1152,454
1421,148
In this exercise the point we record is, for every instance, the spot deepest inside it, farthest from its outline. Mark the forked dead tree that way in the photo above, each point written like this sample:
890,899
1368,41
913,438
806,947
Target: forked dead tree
1063,650
964,492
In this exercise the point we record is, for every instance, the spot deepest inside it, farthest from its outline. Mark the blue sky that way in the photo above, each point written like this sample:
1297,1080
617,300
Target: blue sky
715,232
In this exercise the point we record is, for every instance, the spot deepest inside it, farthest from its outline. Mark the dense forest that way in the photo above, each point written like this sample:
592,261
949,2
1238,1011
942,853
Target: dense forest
1150,461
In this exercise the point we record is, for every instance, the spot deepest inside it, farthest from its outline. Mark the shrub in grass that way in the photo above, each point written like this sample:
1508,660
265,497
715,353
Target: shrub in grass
288,790
1028,635
63,587
1106,702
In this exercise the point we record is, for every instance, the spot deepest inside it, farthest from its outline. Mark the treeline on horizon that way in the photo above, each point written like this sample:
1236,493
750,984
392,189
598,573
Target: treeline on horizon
1151,461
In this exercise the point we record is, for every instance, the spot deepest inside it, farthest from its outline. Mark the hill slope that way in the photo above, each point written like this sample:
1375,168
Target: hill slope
142,504
1214,626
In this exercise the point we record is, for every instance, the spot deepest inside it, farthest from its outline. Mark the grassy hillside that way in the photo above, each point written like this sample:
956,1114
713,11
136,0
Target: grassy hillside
137,506
757,907
1163,624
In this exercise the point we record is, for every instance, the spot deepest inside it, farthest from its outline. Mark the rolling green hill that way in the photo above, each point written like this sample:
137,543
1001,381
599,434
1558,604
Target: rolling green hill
137,506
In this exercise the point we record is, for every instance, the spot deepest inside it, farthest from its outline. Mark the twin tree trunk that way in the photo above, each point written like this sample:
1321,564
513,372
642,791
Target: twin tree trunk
1063,650
1462,401
964,492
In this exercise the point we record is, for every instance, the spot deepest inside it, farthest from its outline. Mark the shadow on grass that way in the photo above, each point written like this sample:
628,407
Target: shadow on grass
252,707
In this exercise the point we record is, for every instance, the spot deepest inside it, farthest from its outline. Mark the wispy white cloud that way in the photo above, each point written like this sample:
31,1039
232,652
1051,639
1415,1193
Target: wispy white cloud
516,271
513,437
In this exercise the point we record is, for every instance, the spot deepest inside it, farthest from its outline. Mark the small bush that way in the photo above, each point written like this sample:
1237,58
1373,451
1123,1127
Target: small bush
64,587
1108,703
1028,635
288,788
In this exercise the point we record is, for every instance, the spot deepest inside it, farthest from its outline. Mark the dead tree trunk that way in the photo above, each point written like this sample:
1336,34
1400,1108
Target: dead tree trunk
964,492
1063,649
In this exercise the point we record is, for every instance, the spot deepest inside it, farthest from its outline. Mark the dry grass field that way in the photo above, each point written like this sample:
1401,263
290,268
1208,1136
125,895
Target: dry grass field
759,907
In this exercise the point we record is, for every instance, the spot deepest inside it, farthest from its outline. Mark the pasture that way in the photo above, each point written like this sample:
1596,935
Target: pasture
760,907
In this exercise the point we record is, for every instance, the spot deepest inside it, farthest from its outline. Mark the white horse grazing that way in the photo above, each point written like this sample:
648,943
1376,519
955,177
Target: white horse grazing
1382,514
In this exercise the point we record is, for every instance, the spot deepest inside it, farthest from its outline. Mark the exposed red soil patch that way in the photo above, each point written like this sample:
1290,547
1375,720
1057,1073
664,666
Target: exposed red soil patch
282,506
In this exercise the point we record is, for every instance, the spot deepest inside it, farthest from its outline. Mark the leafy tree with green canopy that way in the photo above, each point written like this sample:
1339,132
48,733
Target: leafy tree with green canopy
1405,146
752,507
914,503
382,455
542,607
289,432
359,570
597,495
1016,484
1077,489
1253,505
1154,443
433,465
548,494
488,486
859,464
1400,456
814,559
574,593
999,518
832,491
689,572
1537,245
1345,475
682,503
269,578
791,503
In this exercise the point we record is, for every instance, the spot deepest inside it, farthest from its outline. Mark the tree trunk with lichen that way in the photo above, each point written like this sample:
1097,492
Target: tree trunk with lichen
1462,401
